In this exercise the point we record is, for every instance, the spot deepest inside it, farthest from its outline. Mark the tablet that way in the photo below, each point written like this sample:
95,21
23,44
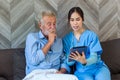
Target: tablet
80,49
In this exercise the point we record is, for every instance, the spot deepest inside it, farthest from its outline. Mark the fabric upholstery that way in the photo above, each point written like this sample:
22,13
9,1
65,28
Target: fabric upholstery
111,56
115,76
6,63
19,64
2,78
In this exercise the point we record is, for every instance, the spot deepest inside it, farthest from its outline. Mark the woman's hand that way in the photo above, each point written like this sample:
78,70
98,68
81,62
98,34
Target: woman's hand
78,57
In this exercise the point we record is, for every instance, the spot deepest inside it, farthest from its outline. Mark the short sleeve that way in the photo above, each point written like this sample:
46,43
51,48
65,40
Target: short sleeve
95,46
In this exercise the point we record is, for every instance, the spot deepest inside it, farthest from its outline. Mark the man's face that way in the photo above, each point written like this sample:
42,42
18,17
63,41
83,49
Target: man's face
48,25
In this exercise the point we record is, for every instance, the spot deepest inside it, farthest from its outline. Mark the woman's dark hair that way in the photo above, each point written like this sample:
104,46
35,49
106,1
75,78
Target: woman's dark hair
76,9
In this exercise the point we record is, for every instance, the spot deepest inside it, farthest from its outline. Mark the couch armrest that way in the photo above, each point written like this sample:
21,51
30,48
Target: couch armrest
111,55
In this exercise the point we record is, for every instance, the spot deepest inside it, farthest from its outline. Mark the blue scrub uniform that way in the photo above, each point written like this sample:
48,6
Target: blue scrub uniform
95,69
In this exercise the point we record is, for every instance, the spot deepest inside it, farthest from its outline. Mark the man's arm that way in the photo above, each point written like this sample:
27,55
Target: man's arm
33,55
46,48
51,38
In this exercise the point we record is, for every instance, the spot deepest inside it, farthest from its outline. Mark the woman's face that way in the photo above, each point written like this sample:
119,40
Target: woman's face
76,21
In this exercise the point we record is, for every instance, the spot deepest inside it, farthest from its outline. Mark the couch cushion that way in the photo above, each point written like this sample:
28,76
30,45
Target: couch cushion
111,54
6,63
116,76
2,78
19,64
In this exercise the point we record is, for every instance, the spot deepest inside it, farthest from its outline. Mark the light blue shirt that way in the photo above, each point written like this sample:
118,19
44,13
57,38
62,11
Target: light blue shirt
36,59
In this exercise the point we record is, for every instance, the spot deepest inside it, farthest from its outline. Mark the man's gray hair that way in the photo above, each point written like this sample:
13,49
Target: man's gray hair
44,13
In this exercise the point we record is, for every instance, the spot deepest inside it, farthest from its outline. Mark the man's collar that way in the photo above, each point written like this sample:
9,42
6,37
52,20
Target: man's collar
41,34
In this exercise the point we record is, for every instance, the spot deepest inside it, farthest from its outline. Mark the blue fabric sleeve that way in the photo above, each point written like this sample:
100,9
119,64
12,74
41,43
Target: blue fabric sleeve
33,55
95,49
92,59
95,46
66,48
63,62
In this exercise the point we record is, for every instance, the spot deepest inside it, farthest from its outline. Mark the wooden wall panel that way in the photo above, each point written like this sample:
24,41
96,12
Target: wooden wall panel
22,21
17,18
108,20
5,28
118,6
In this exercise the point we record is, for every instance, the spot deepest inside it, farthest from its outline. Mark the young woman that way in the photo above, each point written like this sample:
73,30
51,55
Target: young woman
88,66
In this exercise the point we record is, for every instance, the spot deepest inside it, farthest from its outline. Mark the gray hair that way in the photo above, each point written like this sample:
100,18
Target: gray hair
44,13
